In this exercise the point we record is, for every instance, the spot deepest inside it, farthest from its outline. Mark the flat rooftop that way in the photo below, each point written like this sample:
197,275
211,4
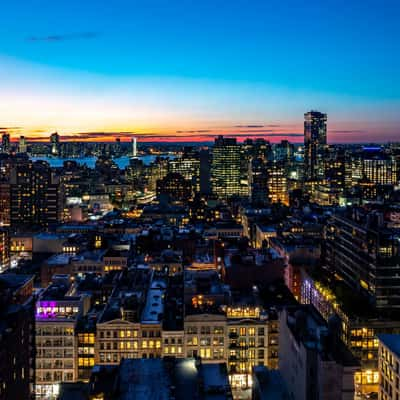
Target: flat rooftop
154,308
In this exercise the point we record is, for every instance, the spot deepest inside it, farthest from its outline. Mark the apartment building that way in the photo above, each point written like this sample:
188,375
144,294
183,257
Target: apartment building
130,325
57,314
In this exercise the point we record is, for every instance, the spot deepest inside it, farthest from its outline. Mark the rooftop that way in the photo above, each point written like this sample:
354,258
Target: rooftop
59,259
14,281
163,379
154,308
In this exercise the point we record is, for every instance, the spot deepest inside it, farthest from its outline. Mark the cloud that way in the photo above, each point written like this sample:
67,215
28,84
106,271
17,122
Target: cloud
255,126
63,37
249,126
257,131
203,135
10,129
97,135
196,131
345,131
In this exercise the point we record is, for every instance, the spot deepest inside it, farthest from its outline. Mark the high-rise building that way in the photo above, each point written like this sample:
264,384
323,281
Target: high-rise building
277,184
188,165
363,250
4,250
155,171
315,140
22,146
329,189
34,194
55,144
5,143
258,181
283,152
205,171
378,167
175,186
225,168
134,147
5,204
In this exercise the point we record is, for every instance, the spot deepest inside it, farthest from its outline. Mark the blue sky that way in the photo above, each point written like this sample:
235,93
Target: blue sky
184,65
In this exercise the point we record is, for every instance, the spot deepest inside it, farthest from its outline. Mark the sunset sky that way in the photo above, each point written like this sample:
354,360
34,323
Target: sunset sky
188,70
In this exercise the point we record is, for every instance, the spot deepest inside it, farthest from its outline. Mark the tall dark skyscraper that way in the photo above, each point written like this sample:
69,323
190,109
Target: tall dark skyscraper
314,142
258,181
5,143
205,173
55,144
225,167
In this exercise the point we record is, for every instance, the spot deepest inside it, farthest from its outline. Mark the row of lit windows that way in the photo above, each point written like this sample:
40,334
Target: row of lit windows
87,338
86,362
56,310
54,331
365,344
242,331
173,350
205,330
122,345
216,341
128,333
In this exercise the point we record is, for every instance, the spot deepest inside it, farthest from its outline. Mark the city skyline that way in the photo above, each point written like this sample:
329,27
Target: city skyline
182,72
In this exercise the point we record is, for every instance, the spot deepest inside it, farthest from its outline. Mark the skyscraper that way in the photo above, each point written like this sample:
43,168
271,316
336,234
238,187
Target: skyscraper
5,143
22,148
225,167
134,147
55,144
314,142
4,250
277,184
35,197
378,167
258,181
188,165
205,173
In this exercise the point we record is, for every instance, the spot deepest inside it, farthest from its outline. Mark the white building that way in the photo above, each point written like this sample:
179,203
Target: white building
57,313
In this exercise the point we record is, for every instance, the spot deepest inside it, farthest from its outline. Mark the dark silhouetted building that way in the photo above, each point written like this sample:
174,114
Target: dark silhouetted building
5,143
17,337
314,142
55,144
258,181
175,187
